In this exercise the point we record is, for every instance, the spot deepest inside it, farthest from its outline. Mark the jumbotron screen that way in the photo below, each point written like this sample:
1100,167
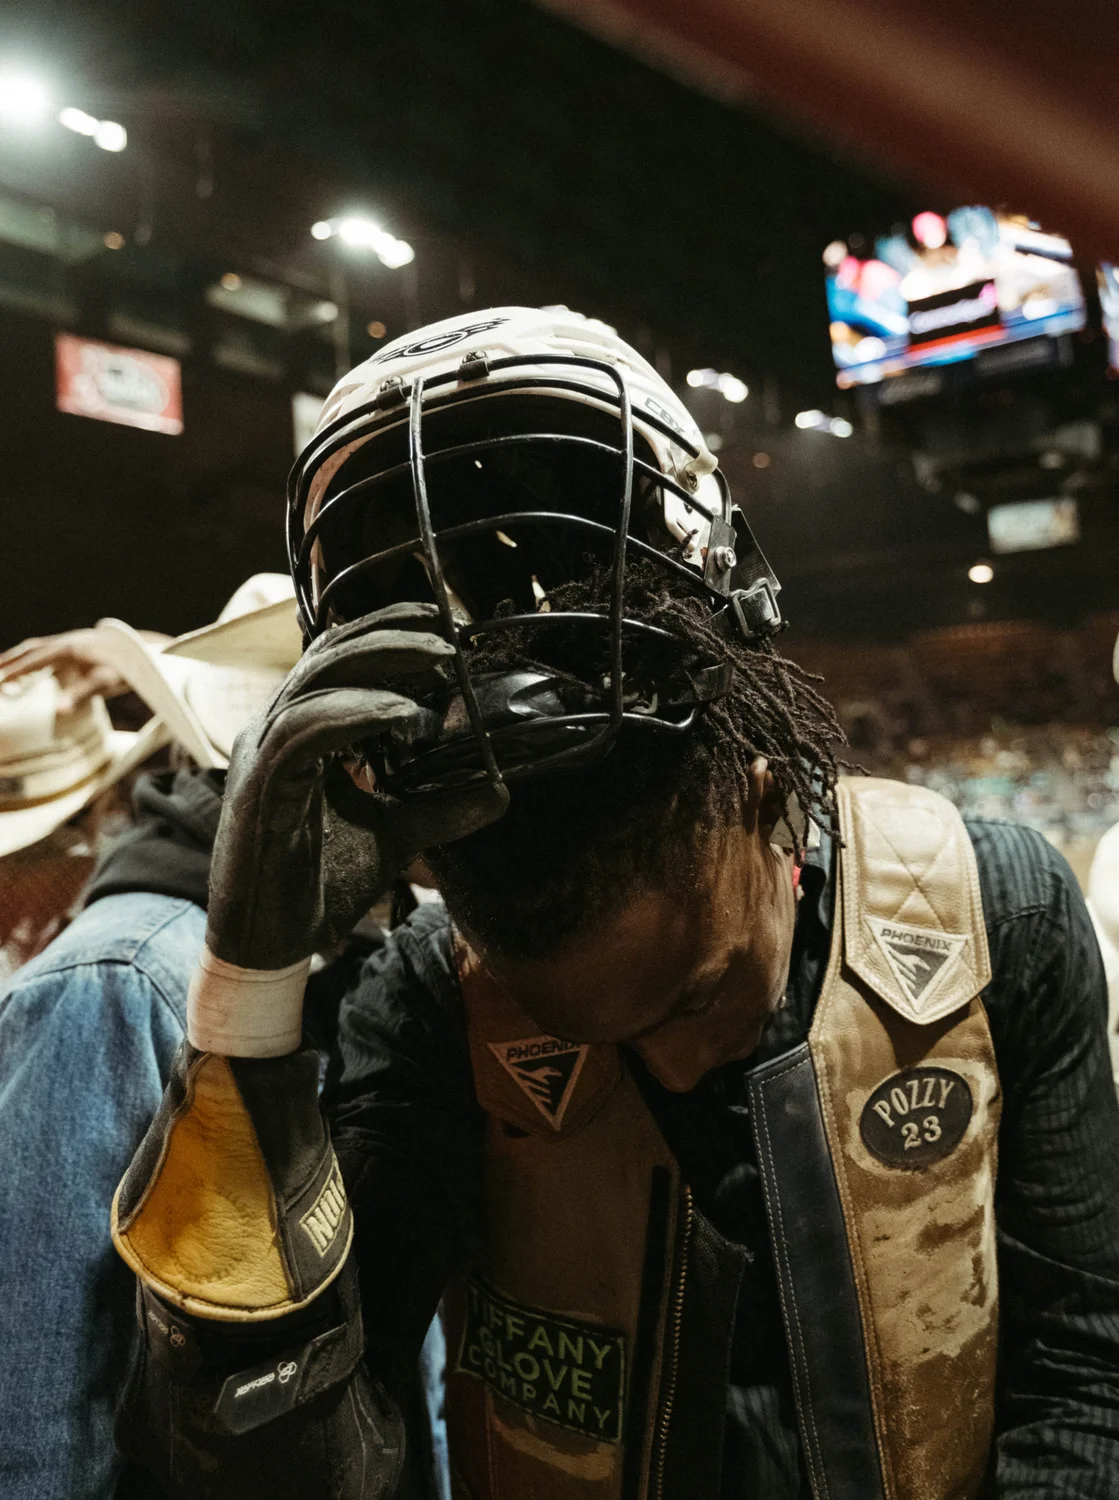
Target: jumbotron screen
1107,279
944,291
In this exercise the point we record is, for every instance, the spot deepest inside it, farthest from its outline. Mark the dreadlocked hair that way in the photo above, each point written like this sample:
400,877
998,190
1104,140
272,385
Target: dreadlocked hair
573,846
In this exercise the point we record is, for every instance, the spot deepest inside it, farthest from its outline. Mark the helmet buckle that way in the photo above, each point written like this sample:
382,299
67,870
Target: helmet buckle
755,611
721,557
715,681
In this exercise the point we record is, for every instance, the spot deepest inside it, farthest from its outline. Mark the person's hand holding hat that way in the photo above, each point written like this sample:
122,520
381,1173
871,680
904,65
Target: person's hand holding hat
85,668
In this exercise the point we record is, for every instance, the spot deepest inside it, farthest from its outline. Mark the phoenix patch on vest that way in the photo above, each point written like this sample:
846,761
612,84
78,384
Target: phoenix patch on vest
560,1369
920,960
546,1069
916,1117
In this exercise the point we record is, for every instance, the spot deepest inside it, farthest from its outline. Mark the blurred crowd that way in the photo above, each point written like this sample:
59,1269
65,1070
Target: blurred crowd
1013,720
1061,779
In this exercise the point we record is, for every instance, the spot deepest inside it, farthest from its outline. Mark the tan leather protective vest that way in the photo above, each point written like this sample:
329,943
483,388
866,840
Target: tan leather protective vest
575,1352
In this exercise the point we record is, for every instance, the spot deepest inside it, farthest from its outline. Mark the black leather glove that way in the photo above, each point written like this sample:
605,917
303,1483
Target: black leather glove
291,874
301,854
233,1213
233,1207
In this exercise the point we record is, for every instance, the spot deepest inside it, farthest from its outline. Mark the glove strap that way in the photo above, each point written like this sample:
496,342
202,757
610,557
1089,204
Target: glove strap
285,1373
246,1012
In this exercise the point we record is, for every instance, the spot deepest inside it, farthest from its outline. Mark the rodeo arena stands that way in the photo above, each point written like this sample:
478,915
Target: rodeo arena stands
1009,719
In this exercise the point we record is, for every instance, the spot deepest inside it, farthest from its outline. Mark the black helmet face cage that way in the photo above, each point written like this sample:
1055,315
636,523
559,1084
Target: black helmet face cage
509,725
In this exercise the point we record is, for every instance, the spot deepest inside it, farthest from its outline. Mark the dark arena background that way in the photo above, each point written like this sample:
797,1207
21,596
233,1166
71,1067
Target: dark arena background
480,481
943,517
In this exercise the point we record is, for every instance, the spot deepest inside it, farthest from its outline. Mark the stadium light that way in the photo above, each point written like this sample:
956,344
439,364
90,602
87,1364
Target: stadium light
732,389
981,572
729,386
24,99
396,253
104,133
110,136
819,421
364,233
78,121
360,233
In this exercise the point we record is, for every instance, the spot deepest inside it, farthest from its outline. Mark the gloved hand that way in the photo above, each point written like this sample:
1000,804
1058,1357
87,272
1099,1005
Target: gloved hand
233,1208
287,1410
293,870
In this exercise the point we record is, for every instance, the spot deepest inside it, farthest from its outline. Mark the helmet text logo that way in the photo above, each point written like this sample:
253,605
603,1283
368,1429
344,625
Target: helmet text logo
436,342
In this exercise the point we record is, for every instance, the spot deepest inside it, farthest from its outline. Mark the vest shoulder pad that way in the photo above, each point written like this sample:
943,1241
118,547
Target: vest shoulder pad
913,924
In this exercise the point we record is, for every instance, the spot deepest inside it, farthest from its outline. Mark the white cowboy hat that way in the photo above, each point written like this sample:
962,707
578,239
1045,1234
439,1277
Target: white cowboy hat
206,685
54,764
201,687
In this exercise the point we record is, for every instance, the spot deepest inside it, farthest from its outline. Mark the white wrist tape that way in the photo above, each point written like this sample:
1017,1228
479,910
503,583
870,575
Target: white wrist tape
246,1012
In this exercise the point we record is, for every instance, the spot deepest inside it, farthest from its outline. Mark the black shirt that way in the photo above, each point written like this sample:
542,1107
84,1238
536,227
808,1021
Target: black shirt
408,1131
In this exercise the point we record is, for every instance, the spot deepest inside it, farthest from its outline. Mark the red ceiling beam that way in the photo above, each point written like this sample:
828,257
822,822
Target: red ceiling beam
1012,102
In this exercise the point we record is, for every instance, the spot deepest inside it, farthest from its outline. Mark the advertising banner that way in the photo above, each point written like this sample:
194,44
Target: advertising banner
305,412
129,386
1031,525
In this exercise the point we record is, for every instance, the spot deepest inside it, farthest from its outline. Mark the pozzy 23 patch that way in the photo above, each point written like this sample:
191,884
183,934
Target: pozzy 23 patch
558,1368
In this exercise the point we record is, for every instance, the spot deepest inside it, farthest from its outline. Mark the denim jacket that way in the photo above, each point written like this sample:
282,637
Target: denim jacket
87,1033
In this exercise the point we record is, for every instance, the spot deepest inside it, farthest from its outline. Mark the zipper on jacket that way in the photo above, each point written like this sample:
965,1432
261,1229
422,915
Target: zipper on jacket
675,1324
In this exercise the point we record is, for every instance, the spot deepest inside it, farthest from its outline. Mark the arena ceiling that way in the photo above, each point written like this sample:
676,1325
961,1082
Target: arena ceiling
527,160
611,186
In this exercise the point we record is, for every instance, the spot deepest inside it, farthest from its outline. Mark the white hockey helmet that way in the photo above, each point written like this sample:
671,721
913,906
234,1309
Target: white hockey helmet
482,462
